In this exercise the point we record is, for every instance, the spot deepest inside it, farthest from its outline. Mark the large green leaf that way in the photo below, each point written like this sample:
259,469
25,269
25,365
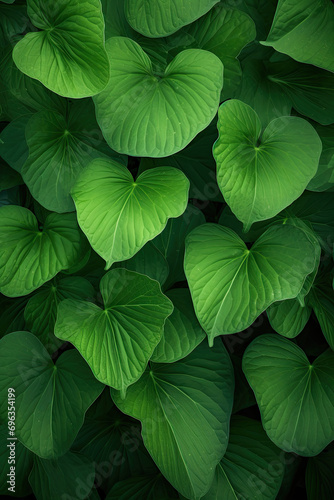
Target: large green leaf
295,397
157,114
253,168
161,18
319,476
60,146
29,256
231,285
182,332
119,215
171,242
67,53
113,442
185,424
72,474
305,31
251,467
41,310
118,340
22,464
46,394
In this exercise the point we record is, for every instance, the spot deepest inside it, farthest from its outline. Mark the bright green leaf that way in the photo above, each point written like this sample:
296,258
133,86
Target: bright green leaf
118,340
155,114
67,53
295,397
253,168
119,215
30,257
231,285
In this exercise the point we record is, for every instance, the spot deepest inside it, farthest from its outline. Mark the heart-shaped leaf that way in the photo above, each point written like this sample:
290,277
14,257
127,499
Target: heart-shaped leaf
305,31
118,340
30,257
157,114
119,215
288,317
231,285
60,146
169,16
295,397
251,467
46,394
70,42
41,310
182,332
185,424
254,168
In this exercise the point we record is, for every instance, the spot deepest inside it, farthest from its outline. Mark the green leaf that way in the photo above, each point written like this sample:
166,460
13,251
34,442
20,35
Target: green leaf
182,332
324,178
119,215
13,21
319,476
155,114
72,474
12,314
305,31
288,317
41,310
224,32
171,242
23,461
118,340
60,146
169,16
185,424
46,395
70,42
254,168
30,257
251,467
196,162
231,285
106,438
144,487
115,20
295,397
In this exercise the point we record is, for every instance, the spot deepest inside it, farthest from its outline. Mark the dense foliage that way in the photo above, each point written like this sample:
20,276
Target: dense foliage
166,249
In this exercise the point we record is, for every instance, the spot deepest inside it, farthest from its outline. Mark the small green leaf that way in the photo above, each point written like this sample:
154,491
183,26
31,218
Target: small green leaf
295,397
46,394
70,42
305,31
288,317
169,15
30,257
182,332
155,114
259,175
119,215
185,424
231,285
251,467
118,340
41,310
